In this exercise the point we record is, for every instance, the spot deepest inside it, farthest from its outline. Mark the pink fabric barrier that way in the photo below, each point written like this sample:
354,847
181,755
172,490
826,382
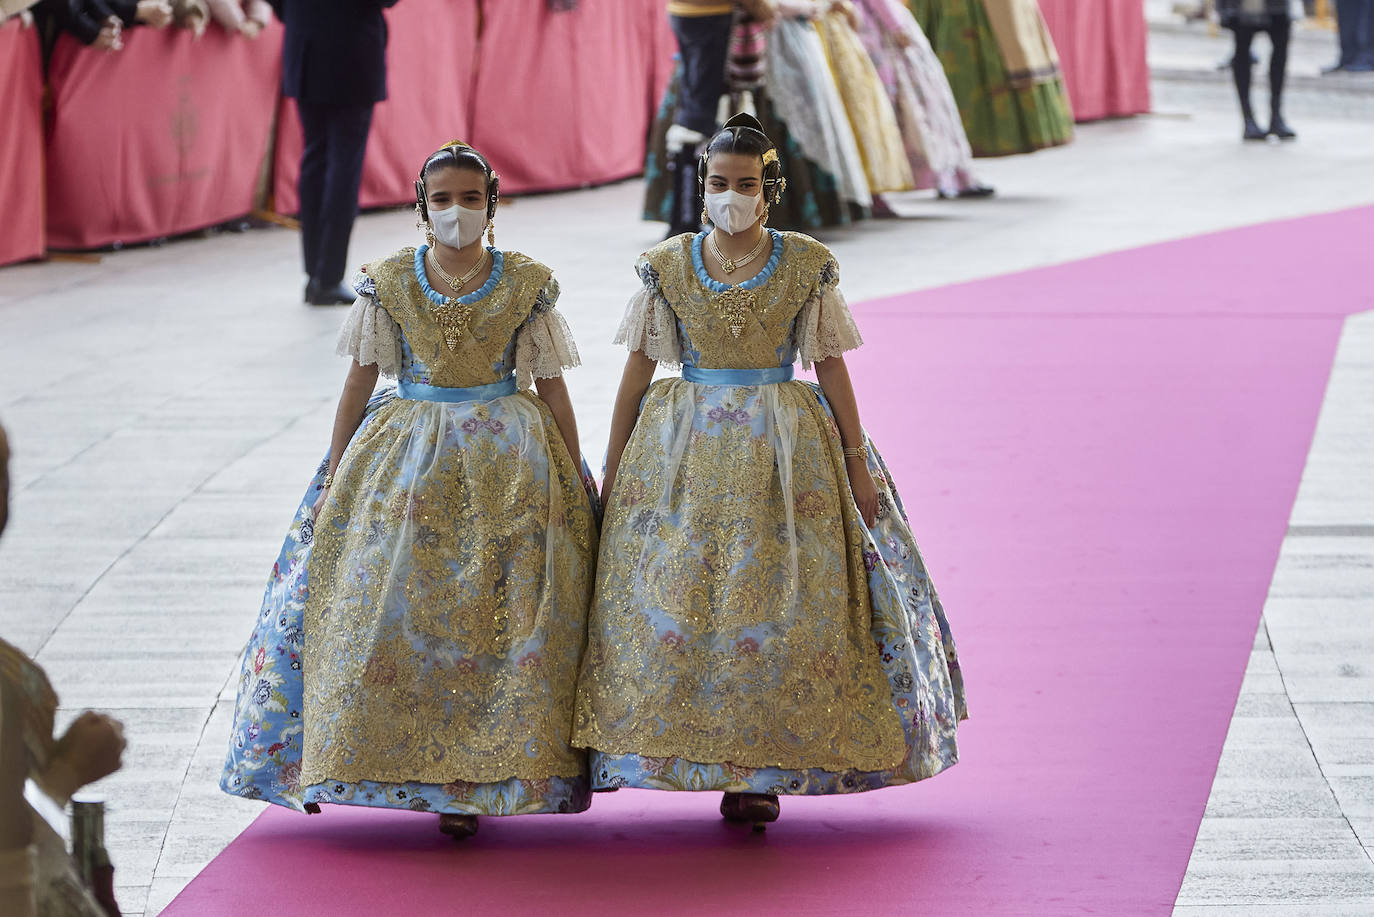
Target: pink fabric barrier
164,137
21,144
565,101
556,100
568,99
431,56
1102,47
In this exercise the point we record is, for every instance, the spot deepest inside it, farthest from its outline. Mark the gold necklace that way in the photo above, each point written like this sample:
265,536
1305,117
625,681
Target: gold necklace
729,266
457,283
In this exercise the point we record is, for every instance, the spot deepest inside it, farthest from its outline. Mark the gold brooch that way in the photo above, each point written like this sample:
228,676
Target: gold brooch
737,306
454,318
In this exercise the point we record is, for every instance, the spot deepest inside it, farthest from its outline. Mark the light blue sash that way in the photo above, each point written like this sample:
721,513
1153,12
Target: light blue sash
416,391
772,375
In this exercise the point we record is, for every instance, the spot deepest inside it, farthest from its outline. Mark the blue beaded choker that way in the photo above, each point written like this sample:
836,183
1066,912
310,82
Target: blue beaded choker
498,262
758,280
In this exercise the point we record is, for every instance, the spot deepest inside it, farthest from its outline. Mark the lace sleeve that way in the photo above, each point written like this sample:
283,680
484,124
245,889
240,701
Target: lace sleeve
369,334
649,325
825,328
544,344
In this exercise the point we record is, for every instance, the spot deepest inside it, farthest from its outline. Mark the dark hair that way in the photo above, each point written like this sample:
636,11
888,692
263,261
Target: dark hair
743,134
457,155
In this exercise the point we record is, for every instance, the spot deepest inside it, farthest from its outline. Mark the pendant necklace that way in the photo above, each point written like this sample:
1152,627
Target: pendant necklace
454,316
729,266
457,283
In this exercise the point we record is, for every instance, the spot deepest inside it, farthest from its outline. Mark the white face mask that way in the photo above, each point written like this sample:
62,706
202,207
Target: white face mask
733,212
458,226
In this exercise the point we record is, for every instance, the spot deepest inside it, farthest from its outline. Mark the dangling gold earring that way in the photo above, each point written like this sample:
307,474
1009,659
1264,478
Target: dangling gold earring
705,218
491,232
423,226
763,220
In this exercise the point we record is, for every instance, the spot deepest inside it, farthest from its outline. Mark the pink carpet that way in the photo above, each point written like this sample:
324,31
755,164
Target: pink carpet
1099,459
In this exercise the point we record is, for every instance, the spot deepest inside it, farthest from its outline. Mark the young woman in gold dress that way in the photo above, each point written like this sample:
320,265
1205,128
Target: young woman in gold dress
763,623
418,644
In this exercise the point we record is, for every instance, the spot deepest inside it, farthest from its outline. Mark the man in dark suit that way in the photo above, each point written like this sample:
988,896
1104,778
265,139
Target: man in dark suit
334,66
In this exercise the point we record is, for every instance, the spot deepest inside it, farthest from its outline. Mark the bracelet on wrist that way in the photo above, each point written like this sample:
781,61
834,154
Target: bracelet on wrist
859,452
328,481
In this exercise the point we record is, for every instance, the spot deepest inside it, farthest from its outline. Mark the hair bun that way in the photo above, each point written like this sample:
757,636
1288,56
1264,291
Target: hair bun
744,119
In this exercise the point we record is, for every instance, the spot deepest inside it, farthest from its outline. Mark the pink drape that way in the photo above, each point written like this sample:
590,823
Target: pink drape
164,137
170,134
21,144
565,98
1102,48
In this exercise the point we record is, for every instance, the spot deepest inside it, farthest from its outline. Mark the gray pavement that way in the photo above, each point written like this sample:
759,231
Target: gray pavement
166,405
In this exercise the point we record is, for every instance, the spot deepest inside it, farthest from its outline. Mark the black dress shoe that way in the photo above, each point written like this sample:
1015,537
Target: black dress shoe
1252,130
757,809
329,294
458,827
1280,129
977,191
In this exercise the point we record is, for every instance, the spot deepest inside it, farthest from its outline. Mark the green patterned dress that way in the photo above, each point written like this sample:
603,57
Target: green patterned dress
999,118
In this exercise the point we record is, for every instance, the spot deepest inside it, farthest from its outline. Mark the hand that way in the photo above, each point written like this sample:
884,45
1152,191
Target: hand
251,28
110,37
765,12
90,749
154,13
319,504
864,490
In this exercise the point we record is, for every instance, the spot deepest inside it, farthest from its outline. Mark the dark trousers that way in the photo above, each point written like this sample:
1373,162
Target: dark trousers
331,170
703,43
1356,19
1280,29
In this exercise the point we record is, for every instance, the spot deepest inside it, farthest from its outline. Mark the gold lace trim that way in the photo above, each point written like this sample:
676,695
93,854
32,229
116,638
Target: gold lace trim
462,345
476,680
703,646
744,329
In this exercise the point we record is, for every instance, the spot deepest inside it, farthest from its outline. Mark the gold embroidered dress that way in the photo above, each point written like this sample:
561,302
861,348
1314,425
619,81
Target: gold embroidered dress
419,642
748,632
870,111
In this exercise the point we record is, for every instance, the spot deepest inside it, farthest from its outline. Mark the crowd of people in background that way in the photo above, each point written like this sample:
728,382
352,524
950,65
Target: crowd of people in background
865,98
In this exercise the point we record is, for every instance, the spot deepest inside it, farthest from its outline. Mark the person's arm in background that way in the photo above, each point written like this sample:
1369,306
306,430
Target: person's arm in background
77,18
154,13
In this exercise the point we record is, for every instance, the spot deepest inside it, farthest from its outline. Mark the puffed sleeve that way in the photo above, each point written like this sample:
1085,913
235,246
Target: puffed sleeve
369,333
825,327
544,345
649,325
